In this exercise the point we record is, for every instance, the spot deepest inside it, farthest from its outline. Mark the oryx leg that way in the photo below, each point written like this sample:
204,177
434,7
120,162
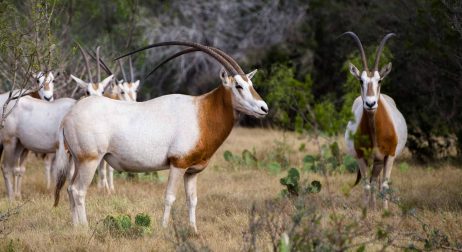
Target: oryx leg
376,170
190,186
102,181
389,160
110,177
174,177
84,172
20,169
364,180
48,161
7,168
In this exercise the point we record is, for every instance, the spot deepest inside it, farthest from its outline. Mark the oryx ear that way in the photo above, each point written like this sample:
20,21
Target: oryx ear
224,77
80,82
136,84
385,71
106,81
354,71
251,74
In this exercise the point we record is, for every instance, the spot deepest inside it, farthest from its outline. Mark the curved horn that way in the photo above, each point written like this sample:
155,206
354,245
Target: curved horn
87,64
132,76
122,68
360,46
98,68
102,64
203,48
189,50
380,50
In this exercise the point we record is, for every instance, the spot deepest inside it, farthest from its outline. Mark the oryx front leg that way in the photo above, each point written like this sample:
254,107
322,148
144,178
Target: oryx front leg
110,177
364,181
190,186
386,178
85,170
170,194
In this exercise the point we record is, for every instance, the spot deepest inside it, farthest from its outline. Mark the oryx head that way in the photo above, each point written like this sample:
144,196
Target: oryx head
370,80
45,85
127,89
92,88
244,97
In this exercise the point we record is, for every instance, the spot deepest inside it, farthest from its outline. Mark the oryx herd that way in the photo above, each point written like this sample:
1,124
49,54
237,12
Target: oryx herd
109,130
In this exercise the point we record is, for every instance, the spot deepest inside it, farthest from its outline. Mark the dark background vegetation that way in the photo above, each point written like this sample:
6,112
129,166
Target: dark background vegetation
294,44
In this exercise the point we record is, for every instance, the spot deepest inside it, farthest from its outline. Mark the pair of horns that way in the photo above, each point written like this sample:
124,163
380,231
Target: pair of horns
98,60
361,49
132,75
224,59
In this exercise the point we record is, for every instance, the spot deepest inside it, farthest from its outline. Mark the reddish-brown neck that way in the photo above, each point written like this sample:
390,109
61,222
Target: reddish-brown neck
376,132
35,95
216,120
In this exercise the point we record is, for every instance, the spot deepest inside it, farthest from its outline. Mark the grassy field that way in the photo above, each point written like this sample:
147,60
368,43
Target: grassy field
226,195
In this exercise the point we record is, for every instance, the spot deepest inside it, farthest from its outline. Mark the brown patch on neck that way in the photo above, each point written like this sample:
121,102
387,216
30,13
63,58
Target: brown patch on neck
216,120
35,95
385,135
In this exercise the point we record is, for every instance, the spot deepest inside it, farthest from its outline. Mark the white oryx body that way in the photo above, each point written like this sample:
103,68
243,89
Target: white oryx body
32,125
379,130
176,132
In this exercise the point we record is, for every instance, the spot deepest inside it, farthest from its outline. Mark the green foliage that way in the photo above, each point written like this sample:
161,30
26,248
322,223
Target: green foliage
293,187
122,226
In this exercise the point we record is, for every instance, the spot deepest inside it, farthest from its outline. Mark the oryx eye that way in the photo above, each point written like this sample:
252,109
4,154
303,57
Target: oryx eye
380,81
239,87
38,81
88,92
122,92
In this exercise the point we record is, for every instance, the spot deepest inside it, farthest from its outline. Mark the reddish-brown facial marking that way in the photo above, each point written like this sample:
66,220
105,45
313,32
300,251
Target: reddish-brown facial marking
255,95
95,86
387,140
35,95
216,120
112,96
46,86
370,91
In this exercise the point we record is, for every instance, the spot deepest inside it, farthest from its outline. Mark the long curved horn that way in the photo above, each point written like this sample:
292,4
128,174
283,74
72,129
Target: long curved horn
98,68
122,69
132,76
87,64
380,50
189,50
203,48
102,64
360,46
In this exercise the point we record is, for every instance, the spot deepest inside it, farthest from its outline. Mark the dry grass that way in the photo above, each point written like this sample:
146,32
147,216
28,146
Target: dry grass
225,199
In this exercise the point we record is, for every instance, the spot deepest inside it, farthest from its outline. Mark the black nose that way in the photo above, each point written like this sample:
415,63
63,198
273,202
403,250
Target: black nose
47,98
264,109
370,104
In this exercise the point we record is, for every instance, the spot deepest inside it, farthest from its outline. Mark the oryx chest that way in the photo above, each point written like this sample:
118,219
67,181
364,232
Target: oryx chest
385,134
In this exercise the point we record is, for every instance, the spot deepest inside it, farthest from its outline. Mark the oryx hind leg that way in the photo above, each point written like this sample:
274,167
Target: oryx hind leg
102,181
8,167
84,171
110,177
48,162
20,169
174,177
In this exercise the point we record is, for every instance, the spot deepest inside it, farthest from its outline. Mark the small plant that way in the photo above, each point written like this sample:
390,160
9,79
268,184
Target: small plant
122,226
292,184
247,158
